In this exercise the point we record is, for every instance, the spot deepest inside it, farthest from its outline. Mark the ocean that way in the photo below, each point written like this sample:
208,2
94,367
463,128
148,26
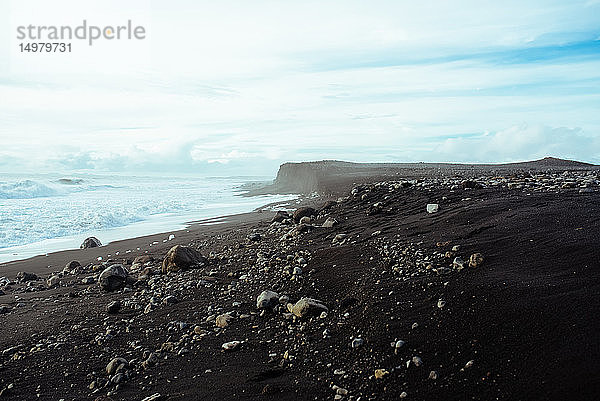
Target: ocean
47,213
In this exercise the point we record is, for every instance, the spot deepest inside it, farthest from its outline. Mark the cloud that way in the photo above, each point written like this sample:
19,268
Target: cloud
519,143
249,86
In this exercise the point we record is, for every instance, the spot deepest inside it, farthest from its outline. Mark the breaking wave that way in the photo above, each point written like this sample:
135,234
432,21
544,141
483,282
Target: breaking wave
27,189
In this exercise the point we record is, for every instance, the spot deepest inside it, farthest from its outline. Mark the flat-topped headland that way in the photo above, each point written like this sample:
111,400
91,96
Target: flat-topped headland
331,176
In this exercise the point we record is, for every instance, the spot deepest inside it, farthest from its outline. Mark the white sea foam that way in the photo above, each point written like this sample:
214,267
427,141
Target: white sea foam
43,214
26,189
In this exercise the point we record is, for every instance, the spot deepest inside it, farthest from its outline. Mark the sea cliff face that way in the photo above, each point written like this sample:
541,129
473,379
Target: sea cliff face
334,177
298,177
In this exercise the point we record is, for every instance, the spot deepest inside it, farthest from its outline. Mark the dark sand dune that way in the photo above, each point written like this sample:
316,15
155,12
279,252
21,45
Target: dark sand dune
527,317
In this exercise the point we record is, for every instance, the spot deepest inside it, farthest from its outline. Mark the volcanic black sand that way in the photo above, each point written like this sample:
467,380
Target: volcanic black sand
406,316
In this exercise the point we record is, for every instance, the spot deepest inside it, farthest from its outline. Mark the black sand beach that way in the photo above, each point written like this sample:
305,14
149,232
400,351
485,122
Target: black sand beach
402,312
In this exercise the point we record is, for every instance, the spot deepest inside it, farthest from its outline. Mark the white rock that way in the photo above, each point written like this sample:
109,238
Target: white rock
432,207
231,345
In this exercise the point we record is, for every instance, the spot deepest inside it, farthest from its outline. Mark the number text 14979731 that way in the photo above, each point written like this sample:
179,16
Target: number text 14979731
45,47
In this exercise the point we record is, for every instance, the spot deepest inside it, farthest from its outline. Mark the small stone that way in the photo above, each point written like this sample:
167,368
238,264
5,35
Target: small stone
433,375
441,303
380,373
113,277
113,307
403,394
150,361
417,361
458,263
222,321
476,260
280,216
181,258
53,281
114,364
231,345
153,397
469,364
254,237
305,220
170,300
330,222
339,238
71,267
341,391
432,207
397,345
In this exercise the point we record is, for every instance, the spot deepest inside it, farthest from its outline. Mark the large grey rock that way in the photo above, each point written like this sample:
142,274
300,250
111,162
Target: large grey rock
113,277
303,212
24,276
91,242
181,258
307,307
267,299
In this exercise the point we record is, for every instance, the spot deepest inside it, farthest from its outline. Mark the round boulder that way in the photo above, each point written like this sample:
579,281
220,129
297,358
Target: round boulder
72,267
267,299
303,212
113,277
90,242
181,258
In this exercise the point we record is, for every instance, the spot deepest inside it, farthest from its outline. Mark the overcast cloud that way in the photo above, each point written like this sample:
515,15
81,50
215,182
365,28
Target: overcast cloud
240,87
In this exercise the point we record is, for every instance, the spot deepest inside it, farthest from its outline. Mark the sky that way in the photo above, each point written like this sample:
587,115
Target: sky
239,87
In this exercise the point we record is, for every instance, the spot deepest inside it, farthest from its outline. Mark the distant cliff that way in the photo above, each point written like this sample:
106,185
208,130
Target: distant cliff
335,177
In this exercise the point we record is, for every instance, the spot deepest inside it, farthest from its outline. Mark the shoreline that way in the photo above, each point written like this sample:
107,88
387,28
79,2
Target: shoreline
160,227
44,263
